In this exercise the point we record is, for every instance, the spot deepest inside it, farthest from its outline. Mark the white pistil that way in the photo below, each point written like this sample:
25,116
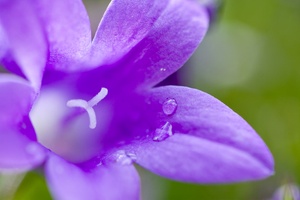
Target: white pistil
88,105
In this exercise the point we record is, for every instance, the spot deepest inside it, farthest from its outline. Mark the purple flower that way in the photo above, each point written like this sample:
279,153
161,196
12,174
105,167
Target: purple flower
287,191
85,110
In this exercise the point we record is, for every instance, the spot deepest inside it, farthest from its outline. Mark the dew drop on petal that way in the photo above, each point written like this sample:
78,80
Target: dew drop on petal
163,133
122,142
24,126
137,137
124,158
35,150
99,164
169,106
132,156
163,69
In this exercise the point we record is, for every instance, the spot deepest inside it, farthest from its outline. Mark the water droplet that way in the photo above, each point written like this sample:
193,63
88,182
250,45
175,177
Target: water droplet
137,137
35,150
99,164
147,130
121,142
132,156
23,126
169,106
163,133
32,148
163,69
125,158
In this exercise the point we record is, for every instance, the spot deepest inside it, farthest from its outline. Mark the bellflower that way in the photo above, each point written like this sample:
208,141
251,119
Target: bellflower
287,191
84,110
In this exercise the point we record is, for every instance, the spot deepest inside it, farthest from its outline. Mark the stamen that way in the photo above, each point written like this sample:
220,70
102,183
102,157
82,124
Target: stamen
77,103
96,99
88,105
92,116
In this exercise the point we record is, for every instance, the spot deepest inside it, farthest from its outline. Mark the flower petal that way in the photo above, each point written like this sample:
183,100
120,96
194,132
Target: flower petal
19,153
27,47
173,38
124,24
192,159
68,181
211,143
68,31
3,42
142,50
17,97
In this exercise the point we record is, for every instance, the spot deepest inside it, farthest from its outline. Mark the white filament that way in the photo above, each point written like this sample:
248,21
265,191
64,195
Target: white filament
88,105
98,97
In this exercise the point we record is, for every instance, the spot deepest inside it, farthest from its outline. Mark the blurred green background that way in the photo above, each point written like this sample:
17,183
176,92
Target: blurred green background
250,60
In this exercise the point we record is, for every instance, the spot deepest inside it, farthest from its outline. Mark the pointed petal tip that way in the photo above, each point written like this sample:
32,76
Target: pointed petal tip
211,144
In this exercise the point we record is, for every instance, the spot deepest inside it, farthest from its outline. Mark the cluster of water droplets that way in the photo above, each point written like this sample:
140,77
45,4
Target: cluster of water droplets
125,158
121,157
166,130
163,132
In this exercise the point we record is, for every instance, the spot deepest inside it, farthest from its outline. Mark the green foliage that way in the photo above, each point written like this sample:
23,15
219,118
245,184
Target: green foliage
32,187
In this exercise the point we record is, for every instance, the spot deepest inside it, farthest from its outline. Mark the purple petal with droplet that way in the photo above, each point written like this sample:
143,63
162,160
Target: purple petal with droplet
210,143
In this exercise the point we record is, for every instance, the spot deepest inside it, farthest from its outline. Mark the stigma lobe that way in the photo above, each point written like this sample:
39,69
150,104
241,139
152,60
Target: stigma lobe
88,105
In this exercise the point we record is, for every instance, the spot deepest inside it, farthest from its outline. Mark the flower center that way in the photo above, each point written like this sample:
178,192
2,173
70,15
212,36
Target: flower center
63,126
88,105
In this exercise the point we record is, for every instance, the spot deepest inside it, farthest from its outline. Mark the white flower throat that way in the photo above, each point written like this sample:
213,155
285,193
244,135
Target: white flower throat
61,123
88,105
